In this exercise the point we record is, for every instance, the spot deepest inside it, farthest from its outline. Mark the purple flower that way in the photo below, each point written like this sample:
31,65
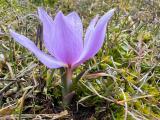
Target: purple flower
63,38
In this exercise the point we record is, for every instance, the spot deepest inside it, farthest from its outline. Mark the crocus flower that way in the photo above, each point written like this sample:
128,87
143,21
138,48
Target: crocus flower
63,38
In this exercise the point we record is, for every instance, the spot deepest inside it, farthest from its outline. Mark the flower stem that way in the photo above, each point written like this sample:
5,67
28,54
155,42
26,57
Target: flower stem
66,83
69,77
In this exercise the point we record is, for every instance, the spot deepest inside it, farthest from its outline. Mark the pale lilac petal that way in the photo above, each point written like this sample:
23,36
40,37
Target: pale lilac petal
68,42
95,38
47,60
75,21
90,30
48,30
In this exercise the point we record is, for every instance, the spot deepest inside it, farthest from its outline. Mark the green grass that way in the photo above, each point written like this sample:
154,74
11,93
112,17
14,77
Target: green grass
120,82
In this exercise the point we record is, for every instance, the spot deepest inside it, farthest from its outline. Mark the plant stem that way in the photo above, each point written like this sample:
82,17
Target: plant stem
69,78
66,83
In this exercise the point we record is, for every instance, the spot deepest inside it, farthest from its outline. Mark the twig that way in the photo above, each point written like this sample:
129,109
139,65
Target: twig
7,87
10,80
125,105
139,97
35,116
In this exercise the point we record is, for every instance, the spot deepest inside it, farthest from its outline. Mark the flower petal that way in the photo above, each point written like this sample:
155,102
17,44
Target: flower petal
90,30
68,38
76,23
47,60
95,37
48,30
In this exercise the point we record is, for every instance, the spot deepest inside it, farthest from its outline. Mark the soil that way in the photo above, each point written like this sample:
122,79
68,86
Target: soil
45,106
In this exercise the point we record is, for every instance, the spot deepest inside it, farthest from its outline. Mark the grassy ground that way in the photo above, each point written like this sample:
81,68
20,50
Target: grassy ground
121,82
